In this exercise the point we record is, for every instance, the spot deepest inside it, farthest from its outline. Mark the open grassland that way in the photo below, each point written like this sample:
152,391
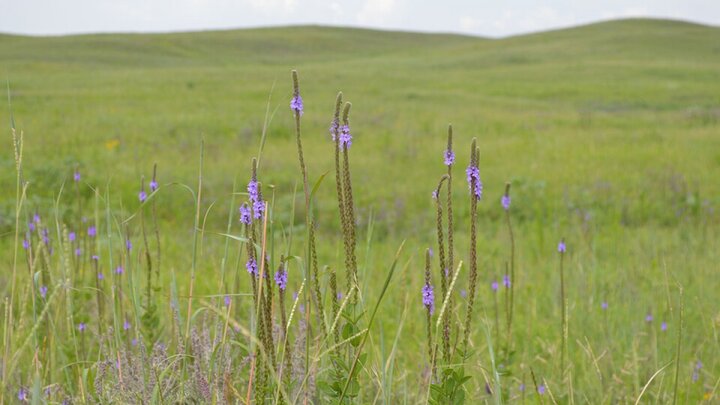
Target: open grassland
608,133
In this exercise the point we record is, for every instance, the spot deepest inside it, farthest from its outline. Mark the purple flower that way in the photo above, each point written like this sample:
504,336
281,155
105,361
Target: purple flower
92,231
71,236
227,300
339,296
604,305
521,388
45,236
245,214
252,189
434,194
153,185
81,326
334,125
696,371
78,252
26,244
345,137
281,278
128,245
463,293
505,201
31,226
23,394
36,218
100,276
251,267
134,342
494,286
119,270
449,157
95,257
561,246
43,291
296,104
506,281
541,389
126,325
473,173
663,326
430,252
648,317
142,196
76,176
428,297
258,209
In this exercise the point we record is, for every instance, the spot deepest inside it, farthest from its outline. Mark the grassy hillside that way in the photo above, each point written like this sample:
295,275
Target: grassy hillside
608,132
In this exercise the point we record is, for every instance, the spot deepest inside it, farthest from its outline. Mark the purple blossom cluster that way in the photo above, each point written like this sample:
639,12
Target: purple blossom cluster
449,156
251,267
345,137
428,297
296,104
473,176
505,201
258,204
561,247
281,278
245,214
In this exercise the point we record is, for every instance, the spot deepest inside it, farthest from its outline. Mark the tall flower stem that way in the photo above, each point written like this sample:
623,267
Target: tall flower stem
475,188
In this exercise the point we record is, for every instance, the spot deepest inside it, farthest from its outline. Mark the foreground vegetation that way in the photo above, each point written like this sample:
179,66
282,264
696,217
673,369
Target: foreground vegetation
607,144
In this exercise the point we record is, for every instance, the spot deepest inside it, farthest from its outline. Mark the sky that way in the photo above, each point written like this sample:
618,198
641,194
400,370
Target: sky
475,17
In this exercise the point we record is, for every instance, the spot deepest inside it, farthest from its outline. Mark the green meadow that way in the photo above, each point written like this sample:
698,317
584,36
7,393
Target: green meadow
609,135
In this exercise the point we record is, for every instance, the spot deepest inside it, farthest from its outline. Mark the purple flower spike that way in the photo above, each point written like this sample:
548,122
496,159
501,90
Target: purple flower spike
227,300
345,137
142,196
92,231
258,209
82,326
43,291
604,305
541,389
128,245
339,296
521,388
281,279
76,176
428,298
663,326
126,325
449,157
23,394
494,286
296,104
561,247
31,226
434,194
36,218
95,257
245,214
648,317
251,267
119,271
505,201
71,236
78,252
26,244
506,281
473,173
153,185
252,189
101,277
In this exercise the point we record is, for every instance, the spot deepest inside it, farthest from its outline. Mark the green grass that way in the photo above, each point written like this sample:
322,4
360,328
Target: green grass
608,133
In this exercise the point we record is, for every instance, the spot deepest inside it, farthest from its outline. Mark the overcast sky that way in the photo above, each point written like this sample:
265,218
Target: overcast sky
477,17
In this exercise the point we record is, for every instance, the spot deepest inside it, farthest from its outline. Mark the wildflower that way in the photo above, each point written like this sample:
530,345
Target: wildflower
494,286
521,388
36,218
134,342
43,291
648,317
473,173
339,296
561,246
428,297
663,326
153,185
506,281
281,278
101,277
334,128
463,293
345,137
45,236
23,394
76,175
505,201
81,326
26,244
227,300
251,266
78,251
252,189
696,371
119,270
449,157
71,236
604,305
128,245
245,214
31,226
258,209
126,325
142,195
95,257
541,389
92,231
296,104
434,194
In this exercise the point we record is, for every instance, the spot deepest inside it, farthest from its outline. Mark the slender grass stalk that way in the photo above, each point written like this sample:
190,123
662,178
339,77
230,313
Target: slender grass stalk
511,309
678,349
444,271
563,305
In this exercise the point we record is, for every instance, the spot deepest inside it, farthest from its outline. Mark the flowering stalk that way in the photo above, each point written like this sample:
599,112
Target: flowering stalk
444,271
316,280
345,140
473,176
563,306
505,202
428,299
449,160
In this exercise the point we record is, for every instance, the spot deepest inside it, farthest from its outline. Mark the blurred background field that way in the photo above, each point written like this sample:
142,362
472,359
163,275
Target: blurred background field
609,134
